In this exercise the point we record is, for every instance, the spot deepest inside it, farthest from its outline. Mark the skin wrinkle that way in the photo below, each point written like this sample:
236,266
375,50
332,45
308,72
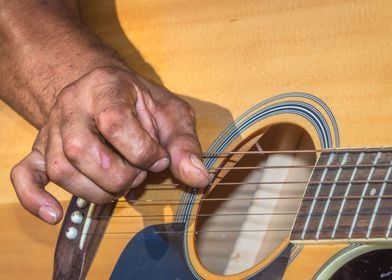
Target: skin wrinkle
28,49
66,120
144,114
41,178
104,160
57,172
96,117
111,120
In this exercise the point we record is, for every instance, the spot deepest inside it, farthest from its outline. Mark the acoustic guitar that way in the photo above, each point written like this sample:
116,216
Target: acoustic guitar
293,110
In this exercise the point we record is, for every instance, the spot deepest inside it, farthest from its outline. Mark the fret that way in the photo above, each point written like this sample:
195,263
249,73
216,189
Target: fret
349,196
389,227
361,229
321,199
362,195
366,211
309,192
355,193
337,196
353,174
377,206
337,176
313,203
336,200
381,220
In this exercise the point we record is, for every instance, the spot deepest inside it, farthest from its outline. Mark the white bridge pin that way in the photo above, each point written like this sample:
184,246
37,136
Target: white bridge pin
77,217
81,203
71,233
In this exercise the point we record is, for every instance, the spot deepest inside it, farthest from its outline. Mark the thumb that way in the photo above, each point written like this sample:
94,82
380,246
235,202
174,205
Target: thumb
186,164
29,179
180,140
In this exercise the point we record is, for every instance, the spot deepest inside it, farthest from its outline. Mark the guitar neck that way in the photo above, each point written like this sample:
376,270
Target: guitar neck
348,198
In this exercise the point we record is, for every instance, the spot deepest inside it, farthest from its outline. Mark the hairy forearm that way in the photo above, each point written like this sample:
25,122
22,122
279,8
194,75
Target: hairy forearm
44,47
101,126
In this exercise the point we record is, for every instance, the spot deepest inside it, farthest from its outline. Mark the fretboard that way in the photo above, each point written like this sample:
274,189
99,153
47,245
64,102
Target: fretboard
348,197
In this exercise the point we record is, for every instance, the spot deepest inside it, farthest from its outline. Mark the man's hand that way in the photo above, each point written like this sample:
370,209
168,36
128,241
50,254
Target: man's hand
101,127
104,132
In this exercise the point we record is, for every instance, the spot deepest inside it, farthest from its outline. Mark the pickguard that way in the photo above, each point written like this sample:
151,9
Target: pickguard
157,252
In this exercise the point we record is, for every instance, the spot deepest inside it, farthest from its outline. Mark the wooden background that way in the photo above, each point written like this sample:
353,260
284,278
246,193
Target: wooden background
223,57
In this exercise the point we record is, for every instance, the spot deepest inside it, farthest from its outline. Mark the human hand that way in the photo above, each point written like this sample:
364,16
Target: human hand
102,135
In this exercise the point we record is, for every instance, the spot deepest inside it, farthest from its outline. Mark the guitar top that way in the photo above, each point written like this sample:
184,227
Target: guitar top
274,84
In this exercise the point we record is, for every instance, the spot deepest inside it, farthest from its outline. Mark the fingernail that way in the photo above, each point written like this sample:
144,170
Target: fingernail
160,165
48,214
139,179
199,165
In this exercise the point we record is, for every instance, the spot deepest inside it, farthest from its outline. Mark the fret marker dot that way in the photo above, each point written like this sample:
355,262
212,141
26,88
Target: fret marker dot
373,191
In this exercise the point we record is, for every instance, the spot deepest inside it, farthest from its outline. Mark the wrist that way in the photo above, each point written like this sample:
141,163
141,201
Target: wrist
49,49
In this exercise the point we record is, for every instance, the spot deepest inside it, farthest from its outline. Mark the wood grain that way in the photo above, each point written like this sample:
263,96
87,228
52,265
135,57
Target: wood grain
223,57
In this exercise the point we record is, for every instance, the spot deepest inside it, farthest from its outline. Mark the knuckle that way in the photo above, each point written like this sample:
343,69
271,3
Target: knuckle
67,93
122,182
104,73
67,120
111,119
189,139
41,139
188,110
101,199
182,108
140,152
16,171
144,153
74,147
58,170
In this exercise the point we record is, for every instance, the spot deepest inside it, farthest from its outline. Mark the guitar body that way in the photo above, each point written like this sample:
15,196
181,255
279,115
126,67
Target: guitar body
275,75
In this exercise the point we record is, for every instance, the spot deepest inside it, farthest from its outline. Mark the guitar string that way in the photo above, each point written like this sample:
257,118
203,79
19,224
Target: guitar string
333,213
138,202
176,186
172,202
332,166
260,183
213,231
194,217
198,232
333,150
190,232
340,182
169,202
173,186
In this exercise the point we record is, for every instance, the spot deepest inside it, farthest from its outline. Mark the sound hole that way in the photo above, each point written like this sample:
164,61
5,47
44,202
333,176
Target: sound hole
242,224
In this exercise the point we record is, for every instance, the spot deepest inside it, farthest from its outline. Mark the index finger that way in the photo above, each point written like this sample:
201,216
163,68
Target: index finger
178,136
119,123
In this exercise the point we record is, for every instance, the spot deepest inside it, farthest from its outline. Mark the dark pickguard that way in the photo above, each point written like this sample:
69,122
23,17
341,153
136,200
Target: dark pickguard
370,266
157,252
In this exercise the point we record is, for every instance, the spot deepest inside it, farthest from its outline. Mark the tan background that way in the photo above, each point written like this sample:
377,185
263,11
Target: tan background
224,57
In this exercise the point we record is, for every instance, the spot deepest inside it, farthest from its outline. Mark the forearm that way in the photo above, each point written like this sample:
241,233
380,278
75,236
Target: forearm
44,47
100,128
